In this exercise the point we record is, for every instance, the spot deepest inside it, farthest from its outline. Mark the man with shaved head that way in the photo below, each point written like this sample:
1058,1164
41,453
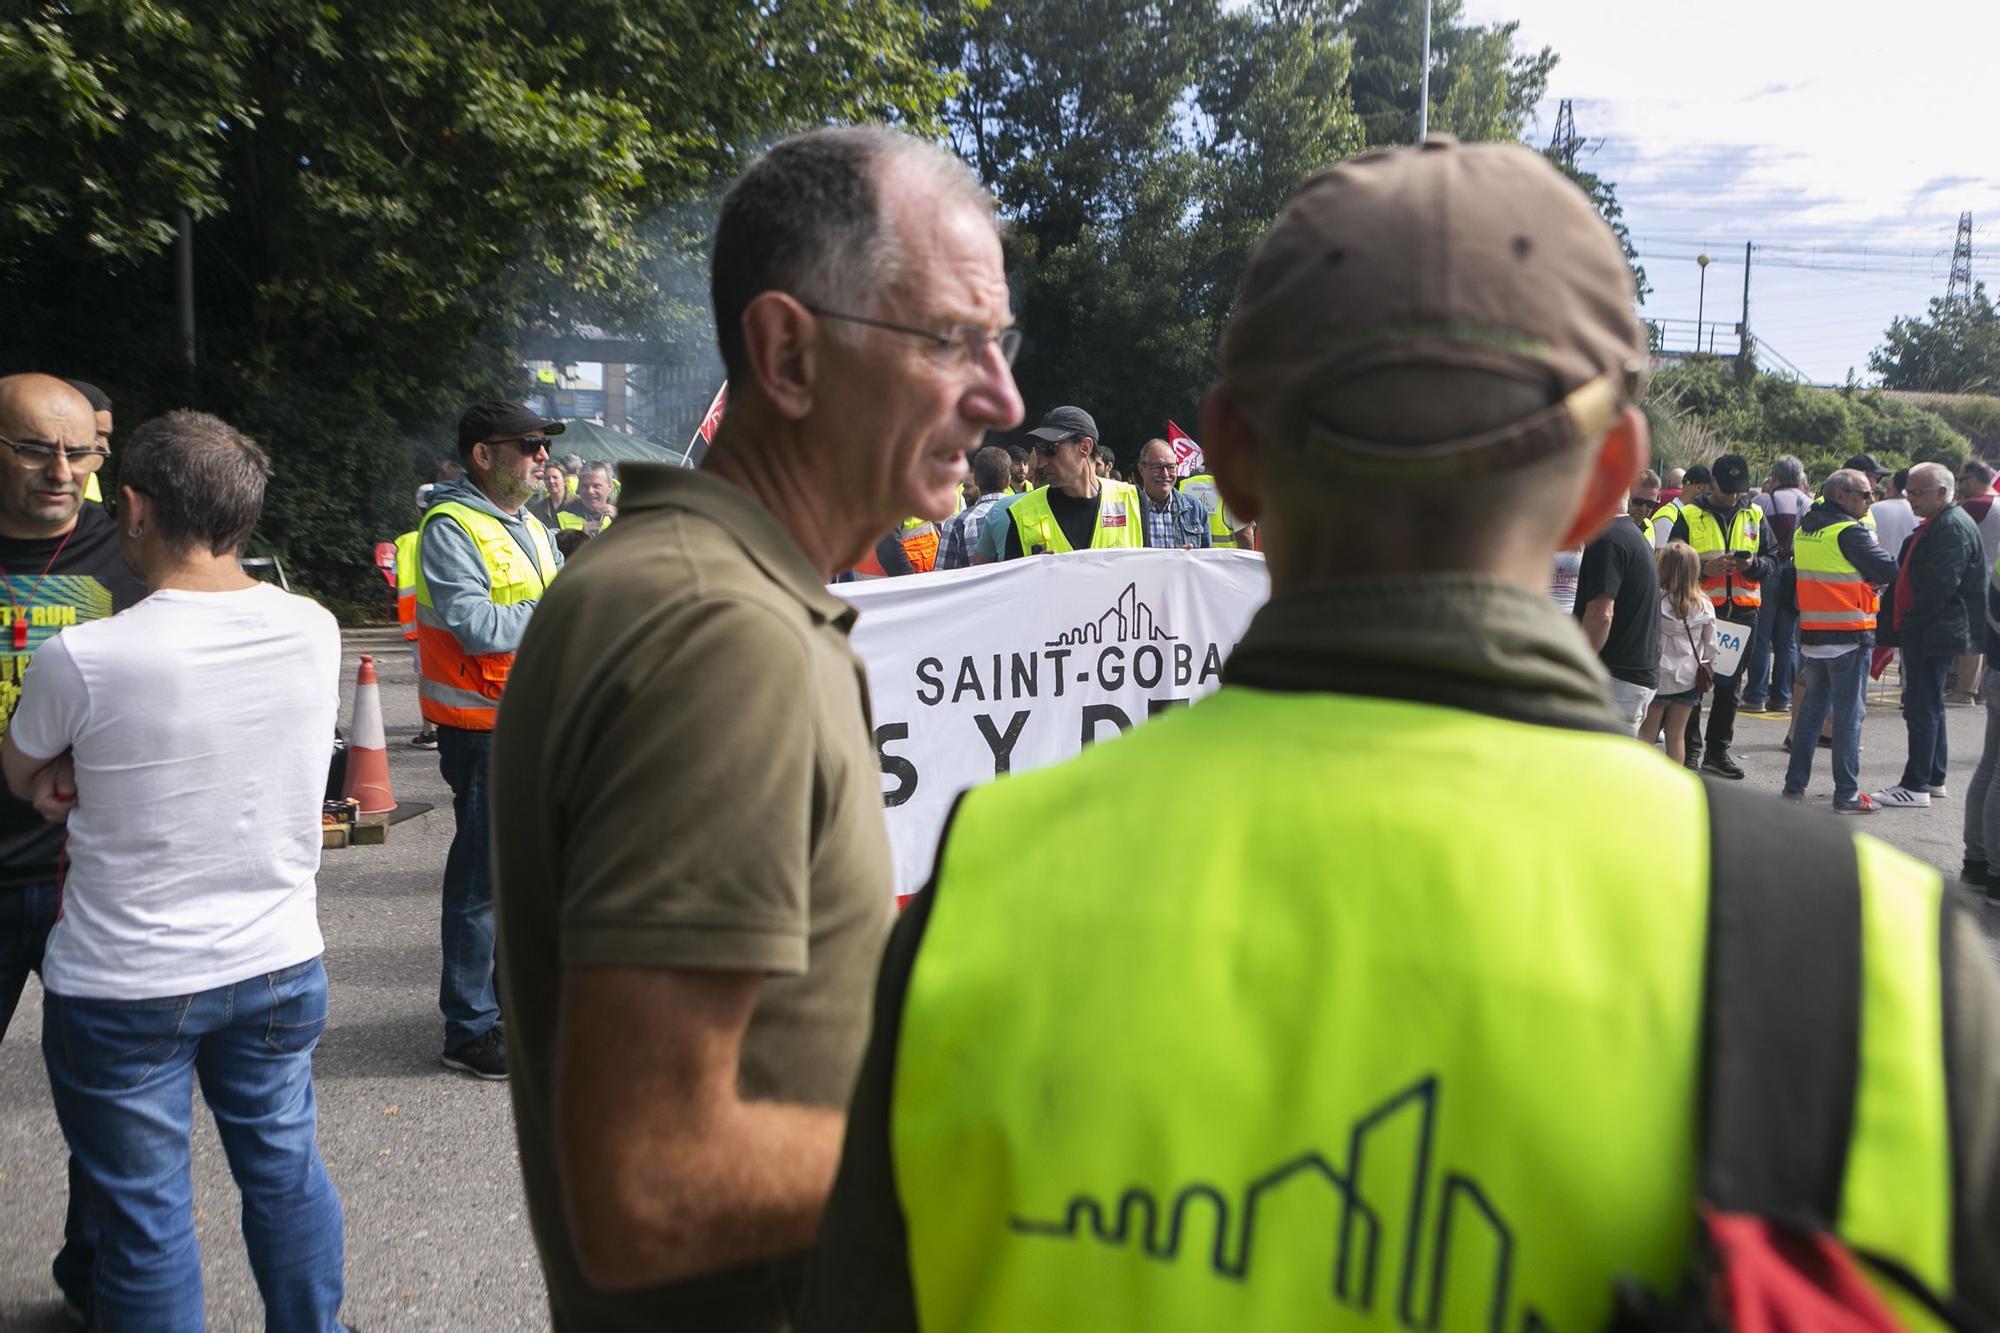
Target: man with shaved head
59,565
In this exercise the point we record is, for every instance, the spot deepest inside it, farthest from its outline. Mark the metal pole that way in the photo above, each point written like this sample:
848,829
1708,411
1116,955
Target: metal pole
184,285
1701,300
1745,340
1424,81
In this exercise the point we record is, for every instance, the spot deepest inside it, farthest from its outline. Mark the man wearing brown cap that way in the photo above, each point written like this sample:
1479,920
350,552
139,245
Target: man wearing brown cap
1405,1042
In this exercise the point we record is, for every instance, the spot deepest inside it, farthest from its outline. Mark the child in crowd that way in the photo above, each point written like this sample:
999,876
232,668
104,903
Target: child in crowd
1687,643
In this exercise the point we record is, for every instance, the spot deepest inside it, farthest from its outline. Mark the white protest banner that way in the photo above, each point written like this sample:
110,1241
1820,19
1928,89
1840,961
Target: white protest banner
1003,668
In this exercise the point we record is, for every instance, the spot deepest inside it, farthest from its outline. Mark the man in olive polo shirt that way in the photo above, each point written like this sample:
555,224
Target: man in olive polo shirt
693,874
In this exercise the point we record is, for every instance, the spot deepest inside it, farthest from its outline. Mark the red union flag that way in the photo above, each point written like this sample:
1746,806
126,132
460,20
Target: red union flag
1188,459
704,434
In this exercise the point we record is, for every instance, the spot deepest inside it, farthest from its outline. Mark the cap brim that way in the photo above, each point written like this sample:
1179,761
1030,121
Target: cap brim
1052,434
553,428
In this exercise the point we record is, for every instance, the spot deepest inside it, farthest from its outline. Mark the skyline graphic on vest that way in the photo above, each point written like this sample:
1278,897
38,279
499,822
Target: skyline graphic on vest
1138,1217
1135,622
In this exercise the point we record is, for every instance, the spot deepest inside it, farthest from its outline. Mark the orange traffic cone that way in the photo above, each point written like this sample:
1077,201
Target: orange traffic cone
367,748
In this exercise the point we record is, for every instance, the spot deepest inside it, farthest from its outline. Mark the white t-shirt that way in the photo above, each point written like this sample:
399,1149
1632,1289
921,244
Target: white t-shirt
201,725
1894,522
1563,581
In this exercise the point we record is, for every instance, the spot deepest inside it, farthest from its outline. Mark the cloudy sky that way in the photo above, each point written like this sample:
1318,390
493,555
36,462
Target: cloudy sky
1844,141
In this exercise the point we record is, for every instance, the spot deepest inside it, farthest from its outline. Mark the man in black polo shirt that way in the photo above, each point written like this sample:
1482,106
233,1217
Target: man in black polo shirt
1617,601
59,565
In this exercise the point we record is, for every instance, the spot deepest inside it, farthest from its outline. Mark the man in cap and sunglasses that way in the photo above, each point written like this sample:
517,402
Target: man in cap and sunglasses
483,562
1407,1042
1080,509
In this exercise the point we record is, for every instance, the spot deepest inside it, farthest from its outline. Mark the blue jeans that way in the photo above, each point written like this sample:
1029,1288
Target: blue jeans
26,917
1838,684
1923,714
466,994
1772,657
122,1073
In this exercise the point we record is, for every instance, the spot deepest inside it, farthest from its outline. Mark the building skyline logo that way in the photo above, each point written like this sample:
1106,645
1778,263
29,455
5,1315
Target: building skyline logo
1131,619
1362,1243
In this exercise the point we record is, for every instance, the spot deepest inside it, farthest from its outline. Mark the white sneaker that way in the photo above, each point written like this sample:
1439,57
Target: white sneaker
1940,791
1900,797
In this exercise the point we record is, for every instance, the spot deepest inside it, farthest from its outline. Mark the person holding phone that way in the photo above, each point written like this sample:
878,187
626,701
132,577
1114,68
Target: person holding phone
1738,556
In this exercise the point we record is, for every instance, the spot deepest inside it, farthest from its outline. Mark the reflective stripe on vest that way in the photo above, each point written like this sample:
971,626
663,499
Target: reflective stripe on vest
1119,524
1203,485
1272,1096
406,583
568,522
1705,535
1832,594
456,688
919,539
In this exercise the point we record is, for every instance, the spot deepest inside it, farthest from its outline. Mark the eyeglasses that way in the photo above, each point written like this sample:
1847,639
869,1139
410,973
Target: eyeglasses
1156,467
960,345
38,454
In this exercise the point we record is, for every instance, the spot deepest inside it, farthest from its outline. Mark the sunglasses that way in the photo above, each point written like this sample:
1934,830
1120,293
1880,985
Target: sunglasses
529,445
1048,450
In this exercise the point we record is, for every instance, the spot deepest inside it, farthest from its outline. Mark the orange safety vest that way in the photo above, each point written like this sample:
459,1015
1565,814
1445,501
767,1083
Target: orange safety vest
1833,597
919,538
456,688
1705,534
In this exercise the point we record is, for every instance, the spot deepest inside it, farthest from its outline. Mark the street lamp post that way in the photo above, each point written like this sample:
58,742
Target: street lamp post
1424,81
1701,300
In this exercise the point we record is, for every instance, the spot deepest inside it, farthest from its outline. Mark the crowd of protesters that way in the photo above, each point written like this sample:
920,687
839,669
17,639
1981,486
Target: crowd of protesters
676,884
1825,589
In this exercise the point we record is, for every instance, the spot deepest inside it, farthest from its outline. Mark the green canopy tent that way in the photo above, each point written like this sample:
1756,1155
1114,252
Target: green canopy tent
598,444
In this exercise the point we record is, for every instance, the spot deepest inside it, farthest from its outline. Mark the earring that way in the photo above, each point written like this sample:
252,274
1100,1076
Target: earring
133,533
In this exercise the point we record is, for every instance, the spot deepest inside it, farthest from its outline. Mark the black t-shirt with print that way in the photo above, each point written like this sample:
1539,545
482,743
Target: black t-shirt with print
87,580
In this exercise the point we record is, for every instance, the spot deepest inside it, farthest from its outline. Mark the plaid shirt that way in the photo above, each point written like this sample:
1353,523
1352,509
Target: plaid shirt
1182,522
961,532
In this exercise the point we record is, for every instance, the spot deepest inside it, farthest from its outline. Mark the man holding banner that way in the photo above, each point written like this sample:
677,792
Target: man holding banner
1402,1040
1078,510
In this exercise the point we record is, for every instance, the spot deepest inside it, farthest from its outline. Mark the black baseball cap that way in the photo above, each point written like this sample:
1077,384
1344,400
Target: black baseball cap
1732,474
1698,475
1065,423
482,421
1867,463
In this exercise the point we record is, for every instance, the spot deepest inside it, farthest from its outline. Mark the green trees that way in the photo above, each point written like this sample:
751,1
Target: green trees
1701,410
1955,350
387,198
1139,147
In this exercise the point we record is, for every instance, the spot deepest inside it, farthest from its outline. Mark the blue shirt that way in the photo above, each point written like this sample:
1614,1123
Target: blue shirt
993,530
1182,521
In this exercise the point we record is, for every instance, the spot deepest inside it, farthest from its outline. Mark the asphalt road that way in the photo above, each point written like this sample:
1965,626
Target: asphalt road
424,1159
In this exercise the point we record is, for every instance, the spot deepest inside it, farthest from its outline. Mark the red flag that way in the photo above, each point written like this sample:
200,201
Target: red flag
704,434
1188,458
